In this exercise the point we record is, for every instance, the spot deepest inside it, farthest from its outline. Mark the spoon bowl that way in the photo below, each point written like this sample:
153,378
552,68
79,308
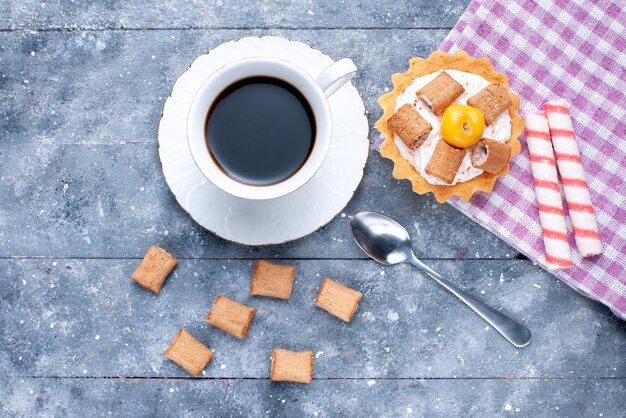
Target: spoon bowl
380,237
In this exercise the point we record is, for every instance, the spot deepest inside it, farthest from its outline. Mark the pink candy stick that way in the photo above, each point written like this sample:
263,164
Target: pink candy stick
573,178
549,202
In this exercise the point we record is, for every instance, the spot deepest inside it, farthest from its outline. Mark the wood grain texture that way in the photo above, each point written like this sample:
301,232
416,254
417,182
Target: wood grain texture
68,317
82,85
112,201
323,398
183,14
108,87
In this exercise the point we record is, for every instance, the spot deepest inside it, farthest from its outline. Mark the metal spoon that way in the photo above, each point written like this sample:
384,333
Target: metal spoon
388,242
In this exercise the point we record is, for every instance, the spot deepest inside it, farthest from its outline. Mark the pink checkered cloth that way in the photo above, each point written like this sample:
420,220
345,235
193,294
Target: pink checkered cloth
575,50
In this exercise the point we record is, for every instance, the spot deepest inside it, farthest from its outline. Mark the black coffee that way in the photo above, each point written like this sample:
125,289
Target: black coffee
260,130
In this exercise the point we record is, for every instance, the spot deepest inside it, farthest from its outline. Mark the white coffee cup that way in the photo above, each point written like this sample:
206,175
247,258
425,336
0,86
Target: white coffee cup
315,90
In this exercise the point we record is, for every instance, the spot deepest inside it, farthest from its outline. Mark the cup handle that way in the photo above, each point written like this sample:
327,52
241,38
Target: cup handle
336,75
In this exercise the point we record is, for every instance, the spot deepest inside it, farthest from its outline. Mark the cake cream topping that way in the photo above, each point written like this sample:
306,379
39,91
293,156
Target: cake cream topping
499,130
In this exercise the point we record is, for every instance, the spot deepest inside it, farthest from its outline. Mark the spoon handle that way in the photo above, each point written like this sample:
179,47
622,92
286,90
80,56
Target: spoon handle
516,333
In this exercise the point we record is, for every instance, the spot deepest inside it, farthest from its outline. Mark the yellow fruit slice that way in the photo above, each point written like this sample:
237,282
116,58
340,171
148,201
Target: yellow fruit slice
462,126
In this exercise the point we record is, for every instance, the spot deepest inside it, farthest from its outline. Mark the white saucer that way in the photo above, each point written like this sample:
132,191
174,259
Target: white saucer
272,221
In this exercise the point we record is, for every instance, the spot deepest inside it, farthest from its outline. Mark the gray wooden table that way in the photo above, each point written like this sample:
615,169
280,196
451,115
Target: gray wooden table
82,84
